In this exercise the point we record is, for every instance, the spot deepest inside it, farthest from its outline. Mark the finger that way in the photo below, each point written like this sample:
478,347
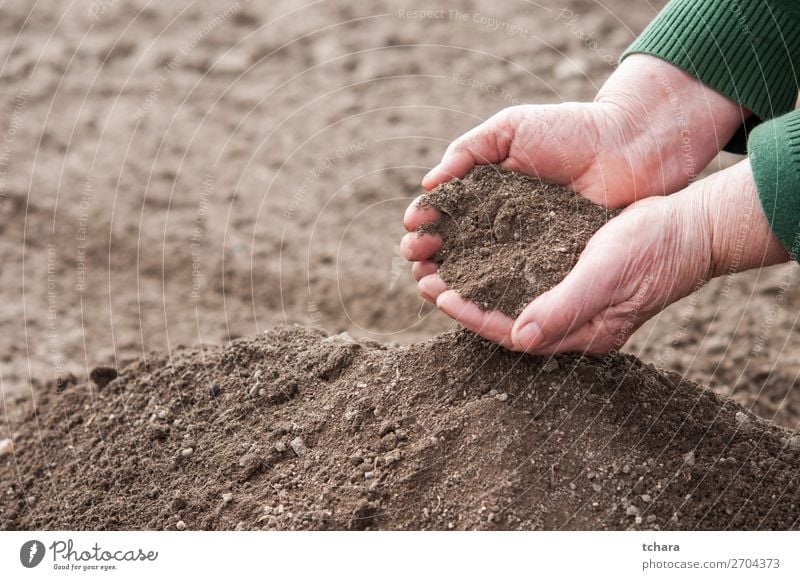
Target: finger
594,337
430,287
421,269
492,325
419,247
419,213
489,142
583,294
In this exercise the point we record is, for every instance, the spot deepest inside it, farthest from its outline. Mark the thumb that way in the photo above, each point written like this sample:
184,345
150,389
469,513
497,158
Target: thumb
584,293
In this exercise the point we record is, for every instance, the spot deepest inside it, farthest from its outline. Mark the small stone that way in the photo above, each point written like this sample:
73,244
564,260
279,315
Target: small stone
180,526
689,459
646,498
550,366
632,511
740,417
280,447
794,442
392,457
6,447
339,338
227,498
369,474
502,397
350,415
187,453
298,446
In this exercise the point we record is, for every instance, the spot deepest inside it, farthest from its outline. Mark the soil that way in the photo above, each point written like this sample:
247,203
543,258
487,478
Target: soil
180,175
508,237
296,430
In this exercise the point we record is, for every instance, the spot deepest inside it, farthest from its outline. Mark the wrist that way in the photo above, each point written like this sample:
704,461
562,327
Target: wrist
734,221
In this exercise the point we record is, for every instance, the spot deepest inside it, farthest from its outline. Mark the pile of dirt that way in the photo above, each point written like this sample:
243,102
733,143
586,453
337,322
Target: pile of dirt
292,429
508,237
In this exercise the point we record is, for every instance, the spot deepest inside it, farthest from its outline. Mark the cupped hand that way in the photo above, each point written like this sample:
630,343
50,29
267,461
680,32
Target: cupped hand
649,131
655,252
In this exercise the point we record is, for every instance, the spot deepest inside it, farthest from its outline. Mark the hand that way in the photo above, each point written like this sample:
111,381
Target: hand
650,130
654,253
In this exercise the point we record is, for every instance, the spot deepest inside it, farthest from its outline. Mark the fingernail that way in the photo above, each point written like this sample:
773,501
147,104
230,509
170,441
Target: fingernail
428,175
529,336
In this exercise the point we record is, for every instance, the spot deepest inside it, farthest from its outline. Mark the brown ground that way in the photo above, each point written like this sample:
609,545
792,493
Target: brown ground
181,174
507,237
295,430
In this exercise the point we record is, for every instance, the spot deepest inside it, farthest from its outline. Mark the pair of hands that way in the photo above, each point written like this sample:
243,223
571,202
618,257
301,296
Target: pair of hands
651,128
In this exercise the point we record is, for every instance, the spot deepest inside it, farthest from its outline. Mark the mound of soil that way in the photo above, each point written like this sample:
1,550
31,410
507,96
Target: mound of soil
508,237
293,429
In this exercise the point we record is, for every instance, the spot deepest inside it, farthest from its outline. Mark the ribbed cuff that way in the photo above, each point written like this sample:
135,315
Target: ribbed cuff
775,161
742,48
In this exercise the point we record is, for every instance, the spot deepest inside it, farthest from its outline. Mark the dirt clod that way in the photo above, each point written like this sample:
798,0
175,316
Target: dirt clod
101,376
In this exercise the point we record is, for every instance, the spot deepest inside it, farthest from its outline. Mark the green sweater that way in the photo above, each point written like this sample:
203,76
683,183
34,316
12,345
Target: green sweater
748,50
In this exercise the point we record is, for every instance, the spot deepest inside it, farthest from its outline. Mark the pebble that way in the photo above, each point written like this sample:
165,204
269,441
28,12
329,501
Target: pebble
689,459
180,526
227,498
350,415
6,447
502,397
632,511
280,447
794,442
369,474
740,417
646,498
298,446
392,457
187,453
341,337
550,366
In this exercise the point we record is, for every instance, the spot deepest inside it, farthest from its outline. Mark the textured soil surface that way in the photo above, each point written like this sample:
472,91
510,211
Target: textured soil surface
295,430
182,174
507,237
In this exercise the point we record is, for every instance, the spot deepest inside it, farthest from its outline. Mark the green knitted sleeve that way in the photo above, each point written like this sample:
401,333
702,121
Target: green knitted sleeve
748,50
775,160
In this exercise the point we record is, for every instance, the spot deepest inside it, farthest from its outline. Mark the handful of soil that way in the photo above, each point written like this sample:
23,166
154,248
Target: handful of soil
509,237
